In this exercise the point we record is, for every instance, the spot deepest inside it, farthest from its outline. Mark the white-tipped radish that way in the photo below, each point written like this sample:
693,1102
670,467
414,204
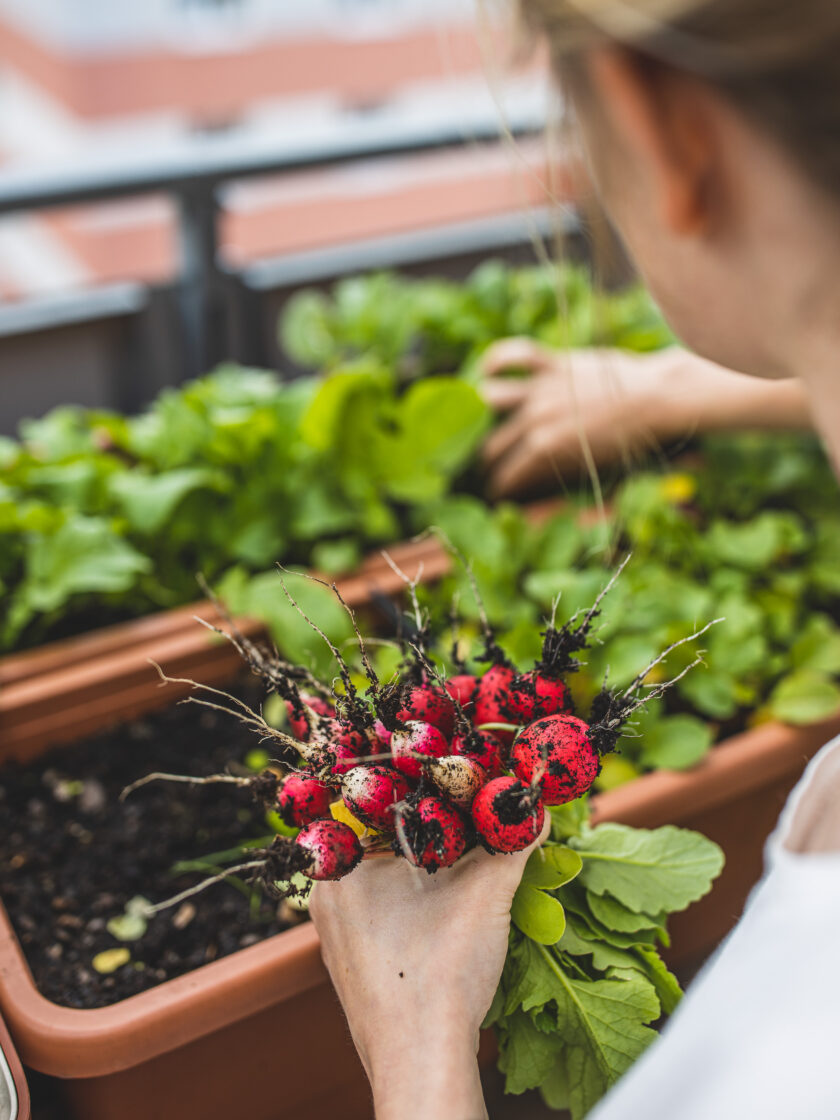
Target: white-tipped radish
458,777
417,738
371,792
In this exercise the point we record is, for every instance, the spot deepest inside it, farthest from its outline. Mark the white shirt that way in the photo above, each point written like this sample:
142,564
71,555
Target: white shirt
757,1037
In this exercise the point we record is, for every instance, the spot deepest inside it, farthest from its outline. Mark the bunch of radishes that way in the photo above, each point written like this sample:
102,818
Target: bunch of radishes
448,773
427,767
423,766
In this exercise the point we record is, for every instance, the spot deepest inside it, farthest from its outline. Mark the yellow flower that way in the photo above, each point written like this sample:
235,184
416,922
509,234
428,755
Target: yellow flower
678,488
341,813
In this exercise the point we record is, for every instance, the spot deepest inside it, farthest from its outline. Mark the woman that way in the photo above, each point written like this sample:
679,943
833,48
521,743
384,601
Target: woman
712,130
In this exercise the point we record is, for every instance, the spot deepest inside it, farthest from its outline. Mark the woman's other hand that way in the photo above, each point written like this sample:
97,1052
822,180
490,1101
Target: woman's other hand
610,404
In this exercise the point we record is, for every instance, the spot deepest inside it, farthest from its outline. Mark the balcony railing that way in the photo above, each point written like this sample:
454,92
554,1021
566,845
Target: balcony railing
195,176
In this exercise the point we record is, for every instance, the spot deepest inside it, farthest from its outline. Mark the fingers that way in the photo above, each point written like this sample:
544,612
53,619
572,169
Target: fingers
505,437
531,455
505,393
516,353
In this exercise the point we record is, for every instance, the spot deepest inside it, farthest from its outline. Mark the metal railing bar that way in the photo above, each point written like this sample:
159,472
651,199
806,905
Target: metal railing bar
69,308
206,162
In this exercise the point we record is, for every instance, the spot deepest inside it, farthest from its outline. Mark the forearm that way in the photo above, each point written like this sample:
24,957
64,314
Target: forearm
433,1080
706,397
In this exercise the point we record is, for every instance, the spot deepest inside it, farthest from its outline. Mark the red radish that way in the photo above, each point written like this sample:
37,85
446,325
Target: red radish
350,746
430,705
331,848
557,752
534,695
484,748
371,792
508,815
432,834
301,800
300,721
459,777
492,700
416,738
336,745
382,734
462,688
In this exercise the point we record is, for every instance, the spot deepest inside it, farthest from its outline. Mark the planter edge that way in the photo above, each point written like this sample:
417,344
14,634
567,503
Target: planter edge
744,762
68,1042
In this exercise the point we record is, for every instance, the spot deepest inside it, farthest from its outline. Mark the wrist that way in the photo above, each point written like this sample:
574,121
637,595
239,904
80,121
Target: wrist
418,1073
699,395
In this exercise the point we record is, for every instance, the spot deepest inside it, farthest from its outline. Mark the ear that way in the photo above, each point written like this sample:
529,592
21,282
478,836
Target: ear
659,113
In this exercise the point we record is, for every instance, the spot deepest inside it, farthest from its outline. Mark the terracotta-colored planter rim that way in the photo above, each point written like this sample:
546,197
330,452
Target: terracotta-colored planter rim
67,1042
79,685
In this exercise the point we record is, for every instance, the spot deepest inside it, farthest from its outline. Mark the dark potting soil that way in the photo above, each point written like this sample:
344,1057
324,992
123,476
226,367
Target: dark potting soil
72,854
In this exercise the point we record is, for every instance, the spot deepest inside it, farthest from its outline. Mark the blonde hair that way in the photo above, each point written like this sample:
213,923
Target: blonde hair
777,60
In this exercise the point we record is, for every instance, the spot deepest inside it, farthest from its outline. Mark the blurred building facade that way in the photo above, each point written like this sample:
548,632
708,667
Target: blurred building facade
79,78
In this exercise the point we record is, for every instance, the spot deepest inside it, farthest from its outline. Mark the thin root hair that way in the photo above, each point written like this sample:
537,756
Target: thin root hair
420,622
160,776
370,672
638,680
344,671
244,714
231,872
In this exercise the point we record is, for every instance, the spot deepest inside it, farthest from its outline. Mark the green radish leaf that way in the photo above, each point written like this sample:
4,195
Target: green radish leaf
667,986
527,1055
538,915
336,556
617,917
712,693
604,1023
551,866
817,646
496,1009
86,554
591,929
528,983
578,941
569,819
604,1026
648,871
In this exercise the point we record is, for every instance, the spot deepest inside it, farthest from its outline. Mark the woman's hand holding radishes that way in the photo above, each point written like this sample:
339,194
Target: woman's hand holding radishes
443,774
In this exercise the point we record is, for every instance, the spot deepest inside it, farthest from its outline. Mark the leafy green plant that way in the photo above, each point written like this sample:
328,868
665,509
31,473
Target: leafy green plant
757,560
583,980
421,327
105,516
